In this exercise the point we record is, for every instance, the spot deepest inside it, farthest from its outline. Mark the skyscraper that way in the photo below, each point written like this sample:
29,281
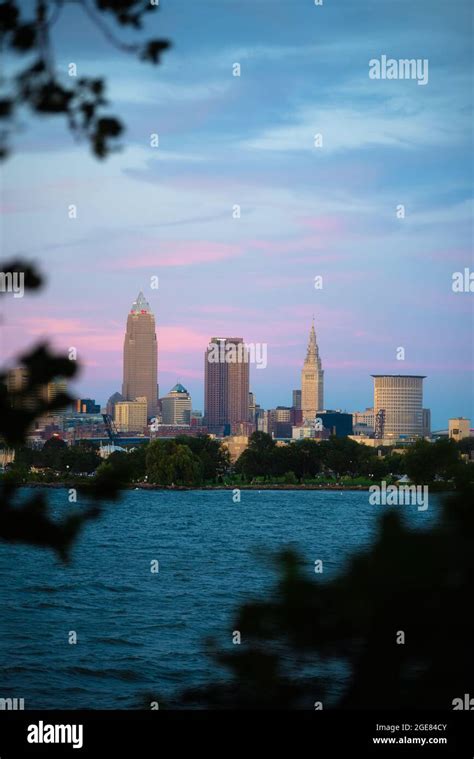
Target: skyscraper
252,407
226,390
297,399
312,380
176,406
400,398
140,355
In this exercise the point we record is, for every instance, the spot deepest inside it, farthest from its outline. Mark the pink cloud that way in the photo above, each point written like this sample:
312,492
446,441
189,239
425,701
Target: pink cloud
9,208
287,246
217,309
77,333
179,253
326,224
179,339
51,326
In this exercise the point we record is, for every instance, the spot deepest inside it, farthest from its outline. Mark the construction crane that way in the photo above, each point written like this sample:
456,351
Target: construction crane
110,427
379,424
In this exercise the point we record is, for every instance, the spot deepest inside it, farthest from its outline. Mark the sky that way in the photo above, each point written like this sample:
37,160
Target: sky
306,211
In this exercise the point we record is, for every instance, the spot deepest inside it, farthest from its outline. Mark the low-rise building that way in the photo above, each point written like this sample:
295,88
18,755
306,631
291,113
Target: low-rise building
309,430
131,416
363,422
86,406
338,423
236,445
458,428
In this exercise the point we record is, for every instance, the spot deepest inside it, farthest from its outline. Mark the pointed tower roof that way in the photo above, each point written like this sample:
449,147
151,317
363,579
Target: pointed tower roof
140,305
178,388
312,353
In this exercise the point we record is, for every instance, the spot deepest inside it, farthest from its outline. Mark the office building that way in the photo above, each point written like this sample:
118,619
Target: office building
140,356
86,406
176,406
112,402
398,406
426,432
297,399
226,385
131,416
363,422
312,380
337,423
252,408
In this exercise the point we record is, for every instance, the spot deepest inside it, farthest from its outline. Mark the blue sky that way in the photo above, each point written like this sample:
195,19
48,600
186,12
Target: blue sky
305,211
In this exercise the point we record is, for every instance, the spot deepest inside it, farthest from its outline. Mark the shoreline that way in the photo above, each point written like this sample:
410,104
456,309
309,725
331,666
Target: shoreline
147,486
266,486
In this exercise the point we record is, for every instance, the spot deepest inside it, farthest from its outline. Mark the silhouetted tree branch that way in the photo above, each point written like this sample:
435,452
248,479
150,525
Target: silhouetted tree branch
28,520
40,87
416,582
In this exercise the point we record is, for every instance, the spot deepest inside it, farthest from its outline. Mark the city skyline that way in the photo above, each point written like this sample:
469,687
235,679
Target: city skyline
237,212
229,404
236,383
141,306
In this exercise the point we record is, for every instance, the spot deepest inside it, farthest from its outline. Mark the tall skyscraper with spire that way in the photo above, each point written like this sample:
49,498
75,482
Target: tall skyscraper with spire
312,380
140,356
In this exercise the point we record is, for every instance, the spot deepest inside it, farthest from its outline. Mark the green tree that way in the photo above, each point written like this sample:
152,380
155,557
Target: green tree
82,457
27,456
213,457
466,445
344,456
128,466
307,458
425,460
257,459
395,463
281,461
170,463
53,454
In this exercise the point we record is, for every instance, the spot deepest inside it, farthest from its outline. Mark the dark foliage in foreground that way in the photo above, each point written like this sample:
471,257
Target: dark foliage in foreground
419,583
39,86
28,520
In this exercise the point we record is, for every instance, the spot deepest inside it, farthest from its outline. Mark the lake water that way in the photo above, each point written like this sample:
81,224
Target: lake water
142,634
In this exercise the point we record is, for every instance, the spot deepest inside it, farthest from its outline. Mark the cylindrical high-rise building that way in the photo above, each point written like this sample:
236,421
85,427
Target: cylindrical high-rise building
400,398
140,356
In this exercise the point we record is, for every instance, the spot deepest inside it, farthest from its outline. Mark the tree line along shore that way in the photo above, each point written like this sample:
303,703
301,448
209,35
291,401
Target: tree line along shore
203,462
